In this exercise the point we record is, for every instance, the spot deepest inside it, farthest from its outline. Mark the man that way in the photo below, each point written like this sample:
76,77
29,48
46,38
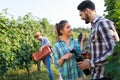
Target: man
102,40
46,60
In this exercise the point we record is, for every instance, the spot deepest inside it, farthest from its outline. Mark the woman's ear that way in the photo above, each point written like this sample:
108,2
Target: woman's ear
61,31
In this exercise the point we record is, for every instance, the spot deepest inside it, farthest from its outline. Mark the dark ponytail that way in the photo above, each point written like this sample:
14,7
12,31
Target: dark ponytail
56,32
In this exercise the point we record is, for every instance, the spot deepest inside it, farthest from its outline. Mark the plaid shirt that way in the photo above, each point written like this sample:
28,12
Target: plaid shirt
69,69
101,45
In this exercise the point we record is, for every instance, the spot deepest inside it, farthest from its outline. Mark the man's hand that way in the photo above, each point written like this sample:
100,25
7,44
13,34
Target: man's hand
84,64
42,47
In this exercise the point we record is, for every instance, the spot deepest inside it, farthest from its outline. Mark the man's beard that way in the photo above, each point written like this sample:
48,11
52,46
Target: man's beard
87,19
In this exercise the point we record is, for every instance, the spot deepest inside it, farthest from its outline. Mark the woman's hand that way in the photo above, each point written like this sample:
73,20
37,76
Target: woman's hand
82,41
83,37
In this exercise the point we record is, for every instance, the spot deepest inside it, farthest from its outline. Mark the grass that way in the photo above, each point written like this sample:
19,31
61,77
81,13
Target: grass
34,74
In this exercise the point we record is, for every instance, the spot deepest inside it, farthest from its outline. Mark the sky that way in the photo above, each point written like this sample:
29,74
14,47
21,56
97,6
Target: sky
53,10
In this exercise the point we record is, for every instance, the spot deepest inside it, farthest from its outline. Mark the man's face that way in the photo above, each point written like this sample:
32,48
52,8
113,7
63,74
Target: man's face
39,37
84,16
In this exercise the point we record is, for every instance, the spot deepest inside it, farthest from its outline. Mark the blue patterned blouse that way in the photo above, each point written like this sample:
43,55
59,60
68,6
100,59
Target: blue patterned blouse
69,69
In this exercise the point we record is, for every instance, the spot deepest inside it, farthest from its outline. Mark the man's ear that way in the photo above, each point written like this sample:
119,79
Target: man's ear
87,10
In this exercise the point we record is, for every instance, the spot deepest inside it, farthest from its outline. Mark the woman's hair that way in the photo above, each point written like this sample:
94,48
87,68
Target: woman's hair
59,26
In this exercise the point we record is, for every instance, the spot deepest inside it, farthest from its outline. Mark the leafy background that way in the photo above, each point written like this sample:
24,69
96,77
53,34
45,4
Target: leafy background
113,67
18,44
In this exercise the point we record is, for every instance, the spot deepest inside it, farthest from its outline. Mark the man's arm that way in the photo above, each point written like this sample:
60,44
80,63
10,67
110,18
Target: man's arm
115,35
104,30
47,42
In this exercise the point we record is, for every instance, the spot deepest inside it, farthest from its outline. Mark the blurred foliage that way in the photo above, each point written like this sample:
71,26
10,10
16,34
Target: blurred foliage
18,43
17,40
77,31
113,13
113,67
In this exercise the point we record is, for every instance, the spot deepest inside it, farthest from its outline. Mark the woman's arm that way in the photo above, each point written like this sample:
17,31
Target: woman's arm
82,41
58,61
66,56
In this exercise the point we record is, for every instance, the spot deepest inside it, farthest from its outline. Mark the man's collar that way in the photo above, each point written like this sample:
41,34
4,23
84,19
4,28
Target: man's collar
95,19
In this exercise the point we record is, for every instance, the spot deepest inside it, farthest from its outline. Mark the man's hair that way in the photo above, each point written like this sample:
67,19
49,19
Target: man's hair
86,4
37,34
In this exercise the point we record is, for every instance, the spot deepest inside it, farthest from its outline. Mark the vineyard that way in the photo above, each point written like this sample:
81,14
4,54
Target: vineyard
17,43
113,67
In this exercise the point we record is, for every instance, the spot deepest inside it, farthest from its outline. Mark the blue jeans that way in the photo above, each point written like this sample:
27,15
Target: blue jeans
47,63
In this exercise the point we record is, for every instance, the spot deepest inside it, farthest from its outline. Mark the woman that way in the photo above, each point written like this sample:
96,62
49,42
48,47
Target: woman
64,56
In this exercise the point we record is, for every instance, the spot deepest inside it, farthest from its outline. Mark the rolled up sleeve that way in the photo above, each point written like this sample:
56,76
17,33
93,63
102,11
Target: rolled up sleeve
56,56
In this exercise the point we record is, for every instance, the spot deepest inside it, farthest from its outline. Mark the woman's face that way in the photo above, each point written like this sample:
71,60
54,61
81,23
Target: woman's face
67,30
